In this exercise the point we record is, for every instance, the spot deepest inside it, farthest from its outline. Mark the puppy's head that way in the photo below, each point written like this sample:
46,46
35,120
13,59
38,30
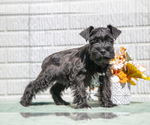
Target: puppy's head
101,42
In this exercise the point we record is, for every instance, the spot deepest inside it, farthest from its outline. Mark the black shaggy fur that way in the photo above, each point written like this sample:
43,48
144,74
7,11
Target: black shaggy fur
75,67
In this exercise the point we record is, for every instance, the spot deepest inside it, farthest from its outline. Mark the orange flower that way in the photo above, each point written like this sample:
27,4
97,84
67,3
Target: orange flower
122,76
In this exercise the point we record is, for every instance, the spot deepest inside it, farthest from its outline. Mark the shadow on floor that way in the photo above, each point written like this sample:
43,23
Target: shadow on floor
42,103
91,103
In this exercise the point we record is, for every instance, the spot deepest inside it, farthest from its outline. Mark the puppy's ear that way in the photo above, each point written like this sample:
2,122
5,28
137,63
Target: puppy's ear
86,33
114,31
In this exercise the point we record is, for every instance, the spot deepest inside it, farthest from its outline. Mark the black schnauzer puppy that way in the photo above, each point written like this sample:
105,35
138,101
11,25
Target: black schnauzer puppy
75,68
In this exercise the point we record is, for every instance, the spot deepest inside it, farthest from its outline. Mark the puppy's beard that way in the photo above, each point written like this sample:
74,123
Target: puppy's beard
100,61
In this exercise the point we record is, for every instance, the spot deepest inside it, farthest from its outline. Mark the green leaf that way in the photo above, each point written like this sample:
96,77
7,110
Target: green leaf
128,57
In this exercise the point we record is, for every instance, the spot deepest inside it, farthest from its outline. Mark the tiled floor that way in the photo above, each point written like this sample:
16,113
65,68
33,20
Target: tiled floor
47,113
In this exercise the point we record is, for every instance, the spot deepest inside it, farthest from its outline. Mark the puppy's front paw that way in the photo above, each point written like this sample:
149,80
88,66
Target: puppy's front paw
83,105
108,104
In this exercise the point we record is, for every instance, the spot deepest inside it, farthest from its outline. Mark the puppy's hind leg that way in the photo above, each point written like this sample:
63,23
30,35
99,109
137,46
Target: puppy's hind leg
28,94
40,84
56,90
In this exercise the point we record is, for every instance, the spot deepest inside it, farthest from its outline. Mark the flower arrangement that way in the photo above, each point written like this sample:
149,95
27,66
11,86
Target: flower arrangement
125,70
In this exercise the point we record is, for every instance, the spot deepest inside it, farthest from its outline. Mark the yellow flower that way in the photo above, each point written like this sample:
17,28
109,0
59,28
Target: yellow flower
133,72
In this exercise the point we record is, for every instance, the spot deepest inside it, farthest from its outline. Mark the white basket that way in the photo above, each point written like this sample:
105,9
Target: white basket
121,94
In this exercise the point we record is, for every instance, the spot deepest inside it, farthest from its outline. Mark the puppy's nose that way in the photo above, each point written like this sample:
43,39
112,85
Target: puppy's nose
103,51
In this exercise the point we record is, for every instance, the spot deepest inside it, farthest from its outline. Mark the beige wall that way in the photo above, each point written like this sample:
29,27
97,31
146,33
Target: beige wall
30,30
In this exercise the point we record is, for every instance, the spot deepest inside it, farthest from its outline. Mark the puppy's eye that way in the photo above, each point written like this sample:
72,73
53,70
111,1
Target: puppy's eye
96,40
110,40
92,42
108,48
